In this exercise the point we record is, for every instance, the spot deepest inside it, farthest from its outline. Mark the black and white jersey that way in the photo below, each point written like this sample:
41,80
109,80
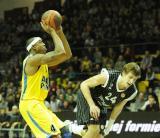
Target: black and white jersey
109,94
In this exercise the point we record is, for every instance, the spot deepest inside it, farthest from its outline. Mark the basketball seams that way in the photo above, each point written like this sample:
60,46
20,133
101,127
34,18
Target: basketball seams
52,18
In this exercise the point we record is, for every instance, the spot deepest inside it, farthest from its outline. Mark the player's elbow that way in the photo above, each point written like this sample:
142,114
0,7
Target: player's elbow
68,56
83,85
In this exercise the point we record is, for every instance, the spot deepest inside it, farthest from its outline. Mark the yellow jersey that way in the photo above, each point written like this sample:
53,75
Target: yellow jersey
36,86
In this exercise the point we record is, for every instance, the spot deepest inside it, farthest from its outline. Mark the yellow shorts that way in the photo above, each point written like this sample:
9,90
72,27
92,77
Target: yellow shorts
42,121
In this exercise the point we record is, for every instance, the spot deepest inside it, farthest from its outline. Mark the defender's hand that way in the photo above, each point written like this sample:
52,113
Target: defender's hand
95,111
108,126
106,132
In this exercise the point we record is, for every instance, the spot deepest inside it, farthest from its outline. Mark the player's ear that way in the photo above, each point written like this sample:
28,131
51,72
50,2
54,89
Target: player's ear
34,47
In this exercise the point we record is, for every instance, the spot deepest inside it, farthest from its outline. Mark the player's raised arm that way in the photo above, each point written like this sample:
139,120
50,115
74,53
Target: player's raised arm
51,58
65,42
54,19
68,53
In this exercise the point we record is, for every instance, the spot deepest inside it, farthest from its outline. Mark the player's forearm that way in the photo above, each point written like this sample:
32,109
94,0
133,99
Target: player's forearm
59,48
87,95
115,113
117,110
65,43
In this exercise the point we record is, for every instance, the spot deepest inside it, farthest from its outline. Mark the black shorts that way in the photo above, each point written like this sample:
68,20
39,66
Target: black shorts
83,112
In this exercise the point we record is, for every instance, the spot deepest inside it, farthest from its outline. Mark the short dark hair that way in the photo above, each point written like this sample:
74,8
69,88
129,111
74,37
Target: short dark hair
132,67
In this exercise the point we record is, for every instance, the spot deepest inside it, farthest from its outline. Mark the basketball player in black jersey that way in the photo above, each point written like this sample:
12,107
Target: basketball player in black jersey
110,88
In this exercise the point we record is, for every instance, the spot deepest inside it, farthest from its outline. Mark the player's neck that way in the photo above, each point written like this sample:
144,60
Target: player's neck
32,53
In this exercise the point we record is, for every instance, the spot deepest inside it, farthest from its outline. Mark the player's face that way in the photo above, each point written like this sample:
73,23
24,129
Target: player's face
40,47
129,79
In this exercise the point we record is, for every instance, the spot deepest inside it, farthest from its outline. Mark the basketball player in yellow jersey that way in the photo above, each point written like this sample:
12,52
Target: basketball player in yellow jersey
35,84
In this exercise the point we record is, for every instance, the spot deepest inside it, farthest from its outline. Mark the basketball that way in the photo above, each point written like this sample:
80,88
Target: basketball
52,18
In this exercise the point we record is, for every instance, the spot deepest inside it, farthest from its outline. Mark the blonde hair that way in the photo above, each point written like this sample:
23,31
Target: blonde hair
133,68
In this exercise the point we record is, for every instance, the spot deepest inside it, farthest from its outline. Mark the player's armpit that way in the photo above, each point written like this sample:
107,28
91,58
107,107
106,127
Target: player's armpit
58,60
51,58
35,60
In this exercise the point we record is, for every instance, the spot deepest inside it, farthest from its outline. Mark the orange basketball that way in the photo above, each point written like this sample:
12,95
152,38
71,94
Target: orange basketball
52,18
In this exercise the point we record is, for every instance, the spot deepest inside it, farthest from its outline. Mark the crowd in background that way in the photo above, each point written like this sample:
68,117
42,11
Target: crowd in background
92,27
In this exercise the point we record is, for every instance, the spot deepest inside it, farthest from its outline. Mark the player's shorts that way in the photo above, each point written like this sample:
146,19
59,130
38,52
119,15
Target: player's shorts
83,112
43,122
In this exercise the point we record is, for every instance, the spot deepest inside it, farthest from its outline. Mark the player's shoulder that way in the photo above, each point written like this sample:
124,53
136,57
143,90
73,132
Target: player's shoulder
114,72
132,88
28,67
111,74
133,92
34,60
38,55
25,60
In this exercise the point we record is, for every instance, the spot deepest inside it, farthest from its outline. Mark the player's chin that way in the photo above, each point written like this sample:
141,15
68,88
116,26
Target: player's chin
128,85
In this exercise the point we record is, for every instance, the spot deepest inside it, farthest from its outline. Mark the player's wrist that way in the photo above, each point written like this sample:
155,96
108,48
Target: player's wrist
109,123
59,30
108,126
52,31
91,104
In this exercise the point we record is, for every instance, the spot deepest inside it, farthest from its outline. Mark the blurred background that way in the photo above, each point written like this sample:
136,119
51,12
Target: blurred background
101,33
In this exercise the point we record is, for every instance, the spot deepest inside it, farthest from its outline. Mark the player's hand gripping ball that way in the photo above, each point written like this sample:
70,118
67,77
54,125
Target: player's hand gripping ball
52,18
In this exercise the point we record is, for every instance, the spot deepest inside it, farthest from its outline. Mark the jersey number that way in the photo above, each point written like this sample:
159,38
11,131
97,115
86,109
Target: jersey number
110,98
